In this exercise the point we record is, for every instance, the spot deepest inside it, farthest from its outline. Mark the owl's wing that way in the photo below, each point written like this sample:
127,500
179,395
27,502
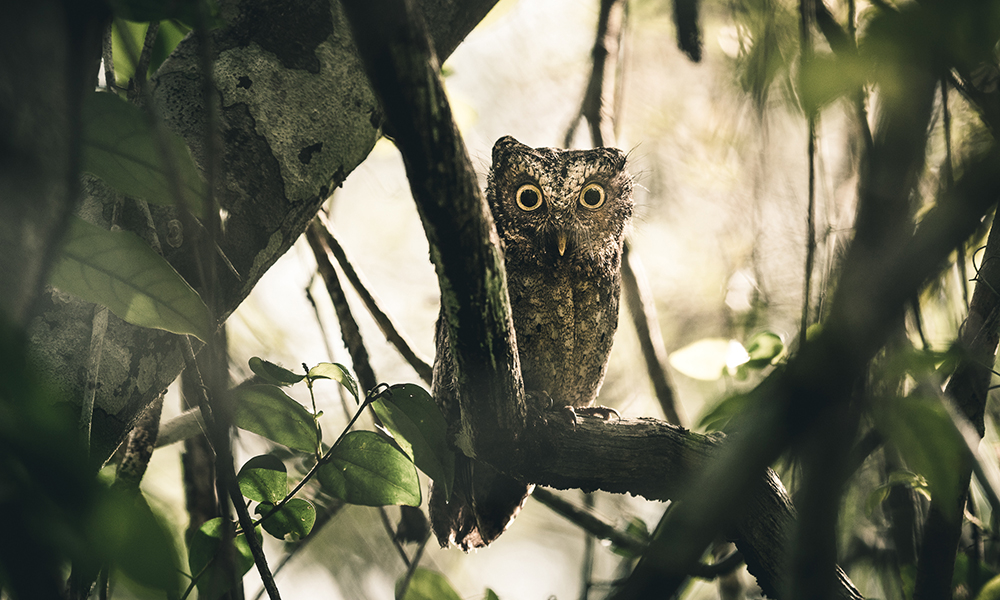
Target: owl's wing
482,505
483,501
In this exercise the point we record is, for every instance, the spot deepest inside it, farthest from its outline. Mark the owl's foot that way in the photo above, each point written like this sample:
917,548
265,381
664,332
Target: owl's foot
602,412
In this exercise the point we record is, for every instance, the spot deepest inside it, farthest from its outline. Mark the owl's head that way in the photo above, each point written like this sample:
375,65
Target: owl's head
560,206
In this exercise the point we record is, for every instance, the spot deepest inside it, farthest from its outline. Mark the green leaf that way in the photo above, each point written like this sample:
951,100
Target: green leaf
139,542
120,271
926,437
908,479
263,479
121,147
427,585
764,348
337,372
127,38
719,416
167,37
292,523
707,359
491,595
417,425
269,412
366,469
636,528
273,373
203,548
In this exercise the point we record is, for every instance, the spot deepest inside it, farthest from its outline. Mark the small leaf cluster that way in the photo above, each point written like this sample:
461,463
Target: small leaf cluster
360,467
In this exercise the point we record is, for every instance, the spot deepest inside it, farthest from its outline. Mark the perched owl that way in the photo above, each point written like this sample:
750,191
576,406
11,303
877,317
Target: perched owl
561,216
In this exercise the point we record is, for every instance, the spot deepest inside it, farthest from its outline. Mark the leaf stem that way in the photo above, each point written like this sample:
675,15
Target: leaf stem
372,396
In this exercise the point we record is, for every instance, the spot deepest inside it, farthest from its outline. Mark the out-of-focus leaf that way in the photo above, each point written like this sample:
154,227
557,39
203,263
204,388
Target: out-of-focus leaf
203,547
168,36
427,585
719,416
826,78
263,479
140,544
636,528
491,595
121,147
909,479
126,35
120,271
707,359
269,412
990,591
292,523
366,469
764,348
417,425
923,432
273,373
337,372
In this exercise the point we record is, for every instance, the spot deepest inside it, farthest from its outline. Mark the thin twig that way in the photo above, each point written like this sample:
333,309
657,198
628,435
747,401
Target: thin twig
392,535
401,593
642,308
597,106
99,326
587,568
392,335
588,521
224,462
349,329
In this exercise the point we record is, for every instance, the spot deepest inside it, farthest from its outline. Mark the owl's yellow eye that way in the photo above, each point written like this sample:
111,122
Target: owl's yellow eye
528,197
592,196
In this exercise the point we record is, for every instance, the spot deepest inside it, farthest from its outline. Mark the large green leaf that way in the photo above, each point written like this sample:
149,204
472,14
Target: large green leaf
273,373
428,585
292,522
120,271
139,542
926,437
121,147
417,425
269,412
263,479
203,549
366,469
337,372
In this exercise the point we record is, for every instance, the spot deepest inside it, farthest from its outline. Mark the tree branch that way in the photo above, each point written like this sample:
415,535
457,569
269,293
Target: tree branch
464,245
392,335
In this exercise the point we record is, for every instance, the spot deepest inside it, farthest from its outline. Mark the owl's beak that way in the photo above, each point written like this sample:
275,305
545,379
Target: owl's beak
561,240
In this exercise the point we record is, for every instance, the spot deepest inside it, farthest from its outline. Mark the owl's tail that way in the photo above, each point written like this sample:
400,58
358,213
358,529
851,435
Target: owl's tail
482,505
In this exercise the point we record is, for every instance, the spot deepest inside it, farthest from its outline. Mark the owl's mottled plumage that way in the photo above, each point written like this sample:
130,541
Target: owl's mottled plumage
561,216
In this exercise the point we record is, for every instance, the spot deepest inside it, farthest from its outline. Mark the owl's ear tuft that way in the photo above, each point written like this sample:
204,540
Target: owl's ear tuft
504,145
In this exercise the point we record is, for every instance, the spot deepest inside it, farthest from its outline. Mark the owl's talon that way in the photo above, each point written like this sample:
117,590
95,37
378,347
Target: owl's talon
602,412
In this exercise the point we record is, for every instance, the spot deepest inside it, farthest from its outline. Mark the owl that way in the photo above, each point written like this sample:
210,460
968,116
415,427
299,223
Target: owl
561,216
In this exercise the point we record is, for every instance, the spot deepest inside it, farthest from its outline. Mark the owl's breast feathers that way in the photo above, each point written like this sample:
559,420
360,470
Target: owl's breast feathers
565,317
